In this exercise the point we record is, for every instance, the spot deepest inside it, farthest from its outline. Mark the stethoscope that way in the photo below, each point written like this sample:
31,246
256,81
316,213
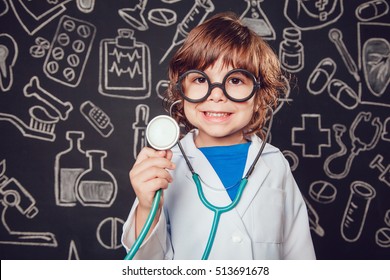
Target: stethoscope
163,133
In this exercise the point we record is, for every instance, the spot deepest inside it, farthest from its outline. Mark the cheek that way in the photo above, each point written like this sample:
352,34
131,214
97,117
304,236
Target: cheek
190,112
247,111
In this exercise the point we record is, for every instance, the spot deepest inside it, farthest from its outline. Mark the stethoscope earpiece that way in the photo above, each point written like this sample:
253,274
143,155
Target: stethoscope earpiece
162,132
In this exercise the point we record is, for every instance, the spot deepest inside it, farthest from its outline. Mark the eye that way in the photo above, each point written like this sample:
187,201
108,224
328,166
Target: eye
200,80
235,81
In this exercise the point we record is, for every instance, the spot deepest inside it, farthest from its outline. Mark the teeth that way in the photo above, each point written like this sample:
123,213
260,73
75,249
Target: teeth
216,115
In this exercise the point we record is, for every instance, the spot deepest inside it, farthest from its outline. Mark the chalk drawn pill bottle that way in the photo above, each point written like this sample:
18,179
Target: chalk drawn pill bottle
356,210
69,164
291,51
96,186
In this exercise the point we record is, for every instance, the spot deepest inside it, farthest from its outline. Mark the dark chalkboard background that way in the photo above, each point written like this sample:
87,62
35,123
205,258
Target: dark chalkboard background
94,73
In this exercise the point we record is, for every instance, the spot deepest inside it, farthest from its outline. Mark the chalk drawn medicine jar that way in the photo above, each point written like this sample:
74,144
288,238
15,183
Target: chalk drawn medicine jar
96,186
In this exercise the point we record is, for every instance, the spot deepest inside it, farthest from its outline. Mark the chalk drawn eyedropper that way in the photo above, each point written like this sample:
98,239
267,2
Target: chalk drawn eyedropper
336,37
195,16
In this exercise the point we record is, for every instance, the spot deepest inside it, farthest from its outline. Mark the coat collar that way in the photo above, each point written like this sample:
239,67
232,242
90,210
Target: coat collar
212,186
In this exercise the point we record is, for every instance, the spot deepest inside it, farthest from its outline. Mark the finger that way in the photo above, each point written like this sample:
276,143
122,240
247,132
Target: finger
148,163
146,153
149,174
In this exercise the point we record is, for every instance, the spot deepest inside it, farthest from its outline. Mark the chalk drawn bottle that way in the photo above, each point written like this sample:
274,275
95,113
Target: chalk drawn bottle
96,186
69,164
125,69
291,51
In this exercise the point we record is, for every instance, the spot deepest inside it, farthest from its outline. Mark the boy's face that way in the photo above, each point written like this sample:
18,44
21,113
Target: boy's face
219,120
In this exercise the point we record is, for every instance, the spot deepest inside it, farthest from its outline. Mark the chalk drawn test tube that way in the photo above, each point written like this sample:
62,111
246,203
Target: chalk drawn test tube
356,210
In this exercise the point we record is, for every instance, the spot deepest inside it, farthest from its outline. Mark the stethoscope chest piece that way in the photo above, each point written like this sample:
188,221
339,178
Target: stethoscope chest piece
162,132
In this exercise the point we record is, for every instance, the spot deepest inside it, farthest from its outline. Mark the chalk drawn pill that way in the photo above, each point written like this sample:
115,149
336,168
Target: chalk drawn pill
372,10
322,192
321,76
52,67
109,233
382,237
387,218
69,74
57,53
84,31
37,51
78,46
73,60
63,39
162,17
343,94
45,44
69,25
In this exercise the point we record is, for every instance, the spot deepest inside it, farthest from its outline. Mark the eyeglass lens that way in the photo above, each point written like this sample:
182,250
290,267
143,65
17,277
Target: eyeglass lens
237,85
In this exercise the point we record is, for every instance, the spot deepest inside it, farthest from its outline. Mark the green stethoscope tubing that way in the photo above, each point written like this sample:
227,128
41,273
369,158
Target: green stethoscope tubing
218,210
145,229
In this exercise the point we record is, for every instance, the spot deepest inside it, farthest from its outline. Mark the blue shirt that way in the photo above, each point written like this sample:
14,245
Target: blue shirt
229,163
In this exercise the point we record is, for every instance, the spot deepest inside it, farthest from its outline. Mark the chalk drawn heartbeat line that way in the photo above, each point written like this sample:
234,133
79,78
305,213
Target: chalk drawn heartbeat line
116,68
120,55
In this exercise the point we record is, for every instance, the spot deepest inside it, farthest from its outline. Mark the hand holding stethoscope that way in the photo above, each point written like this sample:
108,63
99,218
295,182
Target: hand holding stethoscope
150,175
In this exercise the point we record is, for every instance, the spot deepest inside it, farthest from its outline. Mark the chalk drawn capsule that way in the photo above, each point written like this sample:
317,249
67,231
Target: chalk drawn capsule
372,10
343,94
321,76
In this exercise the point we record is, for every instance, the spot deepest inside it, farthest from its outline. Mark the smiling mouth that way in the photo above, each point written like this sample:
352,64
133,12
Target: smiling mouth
216,114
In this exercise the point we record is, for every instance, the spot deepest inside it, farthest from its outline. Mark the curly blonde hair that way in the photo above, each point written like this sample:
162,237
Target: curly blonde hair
225,36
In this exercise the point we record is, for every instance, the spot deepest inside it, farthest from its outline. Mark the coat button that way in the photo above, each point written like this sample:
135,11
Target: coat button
236,239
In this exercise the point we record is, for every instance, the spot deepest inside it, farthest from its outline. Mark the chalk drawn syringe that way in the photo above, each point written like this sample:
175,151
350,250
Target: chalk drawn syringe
194,17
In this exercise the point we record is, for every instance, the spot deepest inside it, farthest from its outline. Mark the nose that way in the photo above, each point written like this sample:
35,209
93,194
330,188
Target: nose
217,94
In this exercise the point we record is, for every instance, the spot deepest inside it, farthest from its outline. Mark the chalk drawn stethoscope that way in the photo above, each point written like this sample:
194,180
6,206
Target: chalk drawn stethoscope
358,143
13,194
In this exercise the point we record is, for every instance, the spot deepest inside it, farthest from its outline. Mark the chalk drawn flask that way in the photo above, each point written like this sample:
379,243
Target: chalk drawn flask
254,18
69,164
96,186
291,51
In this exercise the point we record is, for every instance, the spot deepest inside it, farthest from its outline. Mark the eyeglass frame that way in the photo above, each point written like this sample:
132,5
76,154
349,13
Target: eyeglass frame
211,86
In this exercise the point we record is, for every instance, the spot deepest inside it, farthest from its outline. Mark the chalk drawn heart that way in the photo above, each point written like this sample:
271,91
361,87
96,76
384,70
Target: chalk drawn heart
376,64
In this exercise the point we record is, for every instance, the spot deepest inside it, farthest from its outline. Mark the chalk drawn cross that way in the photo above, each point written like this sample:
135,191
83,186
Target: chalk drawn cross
311,136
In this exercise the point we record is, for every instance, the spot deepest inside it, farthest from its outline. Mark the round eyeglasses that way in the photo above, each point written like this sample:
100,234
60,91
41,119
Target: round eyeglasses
238,85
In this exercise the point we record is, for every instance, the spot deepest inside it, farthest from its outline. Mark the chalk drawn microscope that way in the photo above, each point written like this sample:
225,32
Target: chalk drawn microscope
13,194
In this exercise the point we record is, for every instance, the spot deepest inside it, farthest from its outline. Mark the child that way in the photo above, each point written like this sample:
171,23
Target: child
223,80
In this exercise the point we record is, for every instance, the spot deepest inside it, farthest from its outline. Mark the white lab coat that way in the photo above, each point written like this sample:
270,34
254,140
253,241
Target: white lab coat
269,222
